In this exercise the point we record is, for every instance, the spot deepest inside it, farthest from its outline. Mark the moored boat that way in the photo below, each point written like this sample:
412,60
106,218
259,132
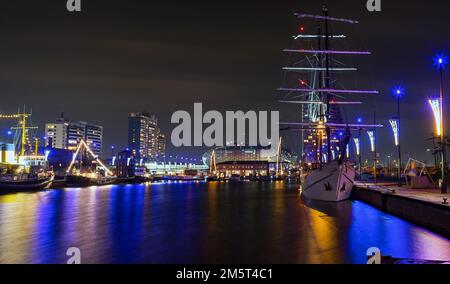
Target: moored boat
31,174
25,182
328,174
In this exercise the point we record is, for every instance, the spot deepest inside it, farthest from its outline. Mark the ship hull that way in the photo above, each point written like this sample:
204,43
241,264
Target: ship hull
81,181
26,185
332,183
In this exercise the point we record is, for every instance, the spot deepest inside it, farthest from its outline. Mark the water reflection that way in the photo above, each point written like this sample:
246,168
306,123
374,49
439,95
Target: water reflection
202,223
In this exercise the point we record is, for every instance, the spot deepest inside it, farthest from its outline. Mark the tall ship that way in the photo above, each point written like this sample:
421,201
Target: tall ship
311,83
22,168
86,169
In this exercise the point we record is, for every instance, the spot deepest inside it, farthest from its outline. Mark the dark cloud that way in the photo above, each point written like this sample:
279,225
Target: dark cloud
121,56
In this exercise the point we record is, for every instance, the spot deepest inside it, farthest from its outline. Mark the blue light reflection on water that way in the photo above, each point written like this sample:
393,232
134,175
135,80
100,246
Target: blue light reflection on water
202,223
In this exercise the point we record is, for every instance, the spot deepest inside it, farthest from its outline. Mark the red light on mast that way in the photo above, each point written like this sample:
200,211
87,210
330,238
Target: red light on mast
302,29
302,83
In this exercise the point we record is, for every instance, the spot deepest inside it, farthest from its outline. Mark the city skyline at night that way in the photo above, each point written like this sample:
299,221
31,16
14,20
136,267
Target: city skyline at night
224,140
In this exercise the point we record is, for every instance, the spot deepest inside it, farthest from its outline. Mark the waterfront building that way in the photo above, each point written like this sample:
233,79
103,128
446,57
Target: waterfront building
59,160
161,147
65,134
249,161
76,132
249,154
94,137
145,139
243,168
125,164
56,134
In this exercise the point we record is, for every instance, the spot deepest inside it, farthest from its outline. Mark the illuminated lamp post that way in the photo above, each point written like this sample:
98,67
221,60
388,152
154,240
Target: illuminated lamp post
398,93
440,61
360,120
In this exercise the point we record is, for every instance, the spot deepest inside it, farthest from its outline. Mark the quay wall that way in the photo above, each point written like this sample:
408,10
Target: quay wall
433,216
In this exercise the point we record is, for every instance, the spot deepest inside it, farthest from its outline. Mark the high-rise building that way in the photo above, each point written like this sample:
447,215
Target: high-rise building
161,147
64,134
94,137
76,131
56,134
145,139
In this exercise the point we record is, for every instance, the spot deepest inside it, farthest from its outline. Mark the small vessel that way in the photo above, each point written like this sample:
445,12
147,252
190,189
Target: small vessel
32,173
25,182
327,172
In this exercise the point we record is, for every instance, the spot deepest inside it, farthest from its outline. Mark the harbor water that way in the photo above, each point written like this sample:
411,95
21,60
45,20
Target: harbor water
199,222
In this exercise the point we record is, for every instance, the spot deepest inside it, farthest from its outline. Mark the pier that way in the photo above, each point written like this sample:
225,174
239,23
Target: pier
426,207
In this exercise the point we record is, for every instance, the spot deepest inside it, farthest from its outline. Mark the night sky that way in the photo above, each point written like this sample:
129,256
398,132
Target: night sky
116,57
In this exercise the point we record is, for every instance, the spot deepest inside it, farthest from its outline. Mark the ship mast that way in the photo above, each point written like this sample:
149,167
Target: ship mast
327,81
319,97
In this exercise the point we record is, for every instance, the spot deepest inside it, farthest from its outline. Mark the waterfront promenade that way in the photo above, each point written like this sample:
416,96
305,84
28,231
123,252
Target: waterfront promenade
427,207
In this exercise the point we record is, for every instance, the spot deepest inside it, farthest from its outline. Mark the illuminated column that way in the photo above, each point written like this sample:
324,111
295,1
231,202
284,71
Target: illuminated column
371,135
358,152
440,61
395,125
398,93
357,145
347,151
436,107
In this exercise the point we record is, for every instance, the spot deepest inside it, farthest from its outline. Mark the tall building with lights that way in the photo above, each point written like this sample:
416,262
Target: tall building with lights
93,136
65,134
56,134
145,139
161,147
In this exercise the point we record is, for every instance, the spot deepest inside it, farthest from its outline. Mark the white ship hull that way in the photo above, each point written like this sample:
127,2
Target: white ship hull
333,182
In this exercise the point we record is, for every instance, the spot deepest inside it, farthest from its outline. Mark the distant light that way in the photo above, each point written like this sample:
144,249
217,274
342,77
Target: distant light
440,60
112,147
398,92
360,120
9,132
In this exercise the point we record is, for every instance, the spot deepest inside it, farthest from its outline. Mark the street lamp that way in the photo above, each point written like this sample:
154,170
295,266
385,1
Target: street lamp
398,93
440,61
